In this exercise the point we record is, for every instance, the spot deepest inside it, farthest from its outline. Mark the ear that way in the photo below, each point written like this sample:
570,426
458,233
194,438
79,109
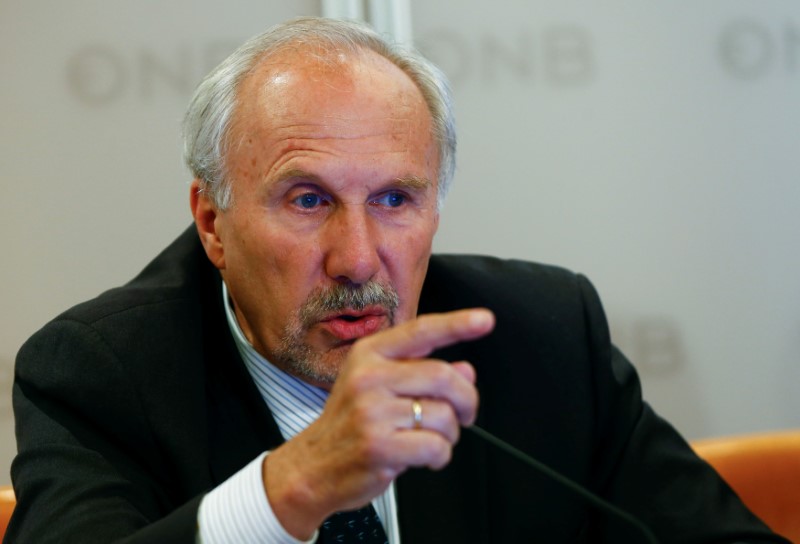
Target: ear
206,217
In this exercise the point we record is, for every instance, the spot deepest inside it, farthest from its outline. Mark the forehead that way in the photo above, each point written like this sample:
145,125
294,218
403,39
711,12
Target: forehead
355,106
307,86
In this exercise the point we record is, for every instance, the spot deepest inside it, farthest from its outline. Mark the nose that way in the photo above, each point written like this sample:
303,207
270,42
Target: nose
352,242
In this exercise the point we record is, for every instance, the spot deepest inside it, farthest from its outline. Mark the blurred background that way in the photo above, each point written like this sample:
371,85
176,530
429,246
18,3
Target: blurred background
653,147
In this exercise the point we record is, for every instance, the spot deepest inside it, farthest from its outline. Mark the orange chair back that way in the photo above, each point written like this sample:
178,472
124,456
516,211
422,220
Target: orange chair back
7,504
764,470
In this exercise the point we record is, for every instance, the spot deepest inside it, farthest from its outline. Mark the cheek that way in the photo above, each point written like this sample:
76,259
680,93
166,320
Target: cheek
271,261
409,260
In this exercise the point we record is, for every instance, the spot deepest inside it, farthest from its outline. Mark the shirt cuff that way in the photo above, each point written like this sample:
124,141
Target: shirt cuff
238,511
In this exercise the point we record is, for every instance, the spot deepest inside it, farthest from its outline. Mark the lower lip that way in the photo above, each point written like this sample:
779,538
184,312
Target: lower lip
352,330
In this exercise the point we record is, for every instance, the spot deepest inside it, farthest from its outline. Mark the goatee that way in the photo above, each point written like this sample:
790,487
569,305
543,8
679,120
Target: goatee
298,357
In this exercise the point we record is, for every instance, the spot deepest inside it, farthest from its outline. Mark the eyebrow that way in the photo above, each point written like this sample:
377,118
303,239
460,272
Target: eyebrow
413,182
294,173
409,182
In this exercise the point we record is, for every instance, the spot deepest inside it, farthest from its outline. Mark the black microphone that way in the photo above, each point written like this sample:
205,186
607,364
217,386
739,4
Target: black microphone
575,487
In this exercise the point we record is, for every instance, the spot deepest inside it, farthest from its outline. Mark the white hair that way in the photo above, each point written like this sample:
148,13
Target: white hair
208,119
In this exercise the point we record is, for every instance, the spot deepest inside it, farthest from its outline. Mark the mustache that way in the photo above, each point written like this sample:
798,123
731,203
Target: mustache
338,298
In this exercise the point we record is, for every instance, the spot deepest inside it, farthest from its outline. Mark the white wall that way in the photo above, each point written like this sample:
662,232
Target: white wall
653,147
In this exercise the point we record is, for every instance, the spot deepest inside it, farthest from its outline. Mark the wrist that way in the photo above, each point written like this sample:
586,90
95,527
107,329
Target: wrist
291,496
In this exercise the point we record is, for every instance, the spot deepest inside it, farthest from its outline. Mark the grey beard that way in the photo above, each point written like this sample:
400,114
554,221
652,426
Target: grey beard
294,353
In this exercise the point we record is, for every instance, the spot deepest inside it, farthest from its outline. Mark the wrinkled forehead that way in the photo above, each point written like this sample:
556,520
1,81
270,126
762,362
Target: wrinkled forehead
355,106
305,80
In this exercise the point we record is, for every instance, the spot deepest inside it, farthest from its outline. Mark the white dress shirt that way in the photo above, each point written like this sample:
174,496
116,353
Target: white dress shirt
238,509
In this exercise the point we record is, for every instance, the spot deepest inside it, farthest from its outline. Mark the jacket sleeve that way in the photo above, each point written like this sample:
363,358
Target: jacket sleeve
644,466
89,466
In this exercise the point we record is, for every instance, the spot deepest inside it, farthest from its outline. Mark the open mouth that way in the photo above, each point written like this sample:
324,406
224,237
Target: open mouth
349,318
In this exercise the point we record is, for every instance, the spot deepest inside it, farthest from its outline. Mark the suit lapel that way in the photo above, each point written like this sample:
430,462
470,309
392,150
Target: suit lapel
447,505
240,425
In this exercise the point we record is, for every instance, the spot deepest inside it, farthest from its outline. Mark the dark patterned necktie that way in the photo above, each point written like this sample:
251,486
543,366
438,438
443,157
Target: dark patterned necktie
361,525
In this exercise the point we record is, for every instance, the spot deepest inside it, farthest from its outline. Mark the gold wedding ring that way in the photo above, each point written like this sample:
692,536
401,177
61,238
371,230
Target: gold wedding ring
416,411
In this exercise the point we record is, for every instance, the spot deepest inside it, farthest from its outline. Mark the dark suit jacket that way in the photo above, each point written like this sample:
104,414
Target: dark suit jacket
131,406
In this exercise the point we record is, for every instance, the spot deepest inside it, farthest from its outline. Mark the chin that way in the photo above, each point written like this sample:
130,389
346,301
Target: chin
319,369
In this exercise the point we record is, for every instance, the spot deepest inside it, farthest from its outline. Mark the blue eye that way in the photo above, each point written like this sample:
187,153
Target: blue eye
308,200
393,200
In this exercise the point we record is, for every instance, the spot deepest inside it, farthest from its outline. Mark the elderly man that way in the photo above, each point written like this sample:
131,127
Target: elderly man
295,371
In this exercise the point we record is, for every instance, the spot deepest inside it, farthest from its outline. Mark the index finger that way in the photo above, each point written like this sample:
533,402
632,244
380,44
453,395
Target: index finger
420,336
